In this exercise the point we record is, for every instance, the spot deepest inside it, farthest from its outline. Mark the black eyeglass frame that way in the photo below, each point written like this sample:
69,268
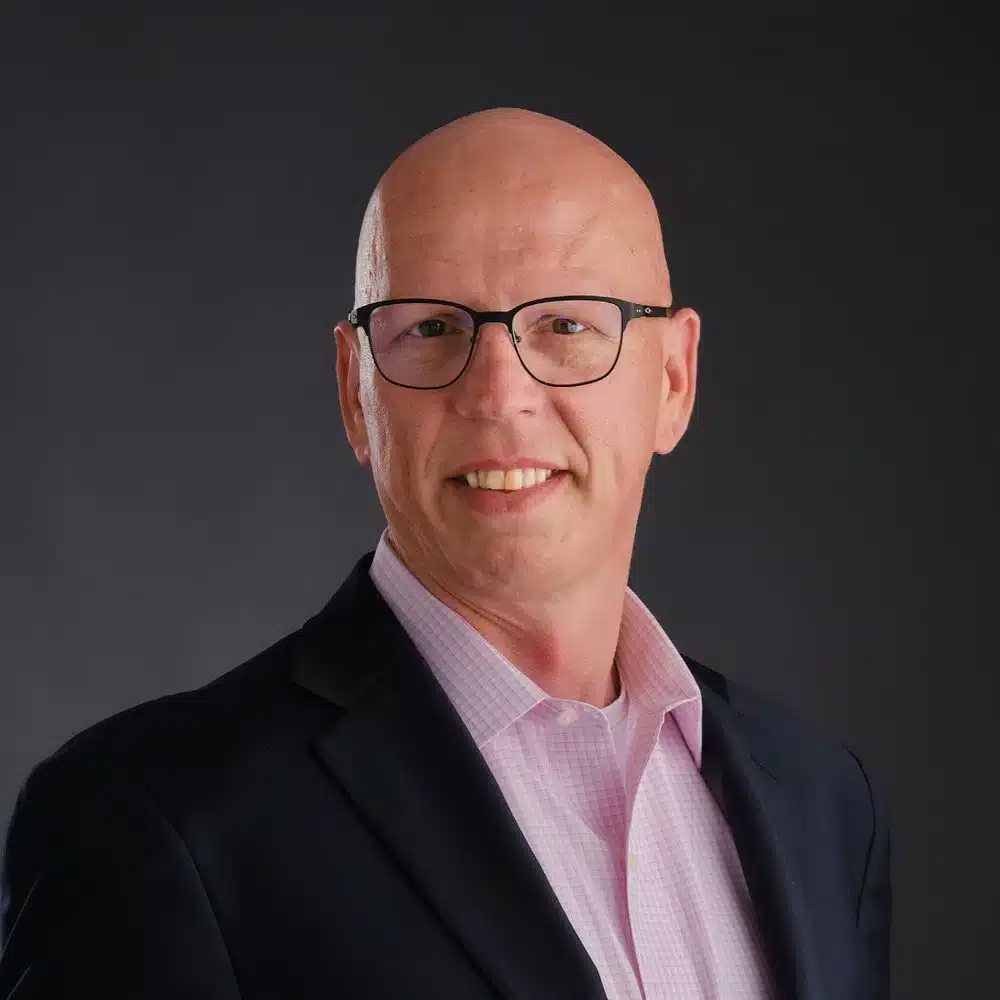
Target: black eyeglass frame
360,316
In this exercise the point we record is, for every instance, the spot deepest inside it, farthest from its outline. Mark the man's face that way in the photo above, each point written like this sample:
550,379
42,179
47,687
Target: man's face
490,230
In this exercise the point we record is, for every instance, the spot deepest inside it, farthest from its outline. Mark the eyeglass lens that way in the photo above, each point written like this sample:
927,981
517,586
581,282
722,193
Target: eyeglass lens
565,342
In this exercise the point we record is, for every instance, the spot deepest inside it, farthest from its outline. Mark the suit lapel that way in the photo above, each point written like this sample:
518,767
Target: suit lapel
758,797
405,758
403,755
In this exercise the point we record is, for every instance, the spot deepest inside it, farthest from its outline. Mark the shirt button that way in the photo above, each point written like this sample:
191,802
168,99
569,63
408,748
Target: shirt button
567,717
633,862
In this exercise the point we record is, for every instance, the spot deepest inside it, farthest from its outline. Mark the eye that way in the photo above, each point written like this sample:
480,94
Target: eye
564,324
435,326
430,328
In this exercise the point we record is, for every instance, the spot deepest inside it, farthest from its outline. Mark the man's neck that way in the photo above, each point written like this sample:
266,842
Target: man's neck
565,643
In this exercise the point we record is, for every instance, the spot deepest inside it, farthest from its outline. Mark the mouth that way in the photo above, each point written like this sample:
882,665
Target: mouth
489,503
511,481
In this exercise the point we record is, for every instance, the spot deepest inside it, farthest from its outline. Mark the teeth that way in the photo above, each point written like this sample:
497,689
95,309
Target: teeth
512,479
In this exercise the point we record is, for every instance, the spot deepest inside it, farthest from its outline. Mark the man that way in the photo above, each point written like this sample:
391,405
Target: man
482,769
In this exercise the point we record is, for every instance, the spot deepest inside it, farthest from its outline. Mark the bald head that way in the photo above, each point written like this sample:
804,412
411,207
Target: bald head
501,191
492,211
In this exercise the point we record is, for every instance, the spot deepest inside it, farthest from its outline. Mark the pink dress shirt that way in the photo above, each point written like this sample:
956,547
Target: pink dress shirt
611,801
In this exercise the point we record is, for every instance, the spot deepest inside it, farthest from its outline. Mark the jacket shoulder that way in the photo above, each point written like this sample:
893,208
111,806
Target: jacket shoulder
788,738
185,746
761,709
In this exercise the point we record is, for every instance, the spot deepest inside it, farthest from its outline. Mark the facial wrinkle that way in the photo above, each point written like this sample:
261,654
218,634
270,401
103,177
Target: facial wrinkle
584,233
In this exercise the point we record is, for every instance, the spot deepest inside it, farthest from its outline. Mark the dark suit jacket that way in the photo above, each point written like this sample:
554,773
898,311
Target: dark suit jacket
318,823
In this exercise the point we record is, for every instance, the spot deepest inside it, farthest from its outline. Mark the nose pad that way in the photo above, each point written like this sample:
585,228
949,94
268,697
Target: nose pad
508,335
506,329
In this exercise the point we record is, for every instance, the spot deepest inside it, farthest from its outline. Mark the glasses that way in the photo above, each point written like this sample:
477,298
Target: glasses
561,341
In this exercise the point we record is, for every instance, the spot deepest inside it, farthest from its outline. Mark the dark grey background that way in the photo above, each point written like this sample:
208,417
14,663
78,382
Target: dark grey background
179,202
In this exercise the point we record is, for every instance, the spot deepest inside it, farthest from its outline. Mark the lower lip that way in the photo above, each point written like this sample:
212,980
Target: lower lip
517,501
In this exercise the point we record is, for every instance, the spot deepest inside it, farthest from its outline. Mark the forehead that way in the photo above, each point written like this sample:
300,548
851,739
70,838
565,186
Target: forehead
511,241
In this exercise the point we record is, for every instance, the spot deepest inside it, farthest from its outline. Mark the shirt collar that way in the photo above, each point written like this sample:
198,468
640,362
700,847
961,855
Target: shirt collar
490,693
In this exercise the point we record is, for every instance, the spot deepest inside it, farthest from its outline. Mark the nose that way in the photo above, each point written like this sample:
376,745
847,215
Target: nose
495,381
494,349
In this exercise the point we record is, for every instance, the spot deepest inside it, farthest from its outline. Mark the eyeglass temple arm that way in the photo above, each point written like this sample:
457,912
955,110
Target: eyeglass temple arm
637,309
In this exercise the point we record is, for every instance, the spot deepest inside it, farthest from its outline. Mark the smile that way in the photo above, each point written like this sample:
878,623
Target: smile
509,481
492,501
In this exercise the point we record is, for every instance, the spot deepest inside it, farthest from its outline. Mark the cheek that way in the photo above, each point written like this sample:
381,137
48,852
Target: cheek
400,437
620,425
643,405
377,406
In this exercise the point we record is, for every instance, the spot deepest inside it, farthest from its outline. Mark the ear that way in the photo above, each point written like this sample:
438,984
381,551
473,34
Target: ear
680,375
349,388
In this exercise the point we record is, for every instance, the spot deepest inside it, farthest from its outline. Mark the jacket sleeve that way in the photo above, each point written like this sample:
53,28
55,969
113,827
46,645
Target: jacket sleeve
101,897
875,901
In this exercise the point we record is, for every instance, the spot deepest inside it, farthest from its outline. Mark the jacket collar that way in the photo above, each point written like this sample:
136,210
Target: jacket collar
465,663
400,751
